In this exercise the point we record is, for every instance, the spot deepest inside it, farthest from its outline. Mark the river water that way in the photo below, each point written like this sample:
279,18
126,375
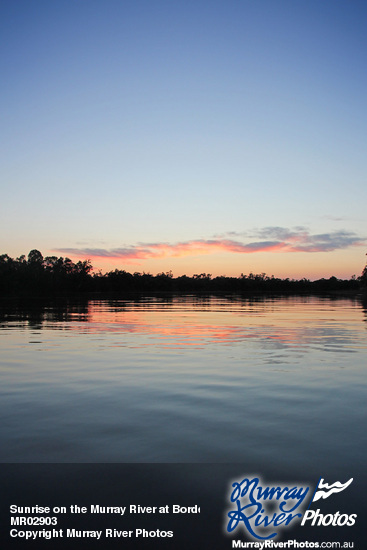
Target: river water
186,379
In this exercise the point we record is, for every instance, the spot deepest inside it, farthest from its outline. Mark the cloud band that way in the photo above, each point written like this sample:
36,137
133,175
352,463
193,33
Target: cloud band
269,239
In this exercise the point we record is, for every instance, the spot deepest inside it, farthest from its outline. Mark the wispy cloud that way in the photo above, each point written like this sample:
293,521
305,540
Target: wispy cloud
267,239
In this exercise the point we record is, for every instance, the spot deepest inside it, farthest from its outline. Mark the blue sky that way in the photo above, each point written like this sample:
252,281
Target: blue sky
126,124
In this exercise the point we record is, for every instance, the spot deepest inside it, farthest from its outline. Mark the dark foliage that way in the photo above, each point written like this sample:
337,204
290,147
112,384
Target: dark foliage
36,275
43,275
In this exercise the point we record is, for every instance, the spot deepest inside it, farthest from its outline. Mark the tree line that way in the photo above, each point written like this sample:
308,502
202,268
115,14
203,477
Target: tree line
50,275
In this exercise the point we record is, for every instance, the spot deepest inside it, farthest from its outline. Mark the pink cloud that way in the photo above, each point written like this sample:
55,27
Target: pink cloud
271,239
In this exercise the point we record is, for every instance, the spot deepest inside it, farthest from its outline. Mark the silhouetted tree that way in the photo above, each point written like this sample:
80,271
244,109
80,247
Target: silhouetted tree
363,277
35,257
37,276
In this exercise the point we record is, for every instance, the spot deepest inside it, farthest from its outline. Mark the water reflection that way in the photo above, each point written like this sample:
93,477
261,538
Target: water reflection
363,302
187,320
38,314
183,378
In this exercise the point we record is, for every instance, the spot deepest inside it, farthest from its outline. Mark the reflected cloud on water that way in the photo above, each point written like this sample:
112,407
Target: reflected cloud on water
183,378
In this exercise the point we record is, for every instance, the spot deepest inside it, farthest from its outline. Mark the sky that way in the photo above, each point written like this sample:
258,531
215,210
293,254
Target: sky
205,136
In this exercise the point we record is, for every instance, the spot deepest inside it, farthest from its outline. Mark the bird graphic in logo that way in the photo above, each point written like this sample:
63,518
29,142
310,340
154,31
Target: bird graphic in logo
323,490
